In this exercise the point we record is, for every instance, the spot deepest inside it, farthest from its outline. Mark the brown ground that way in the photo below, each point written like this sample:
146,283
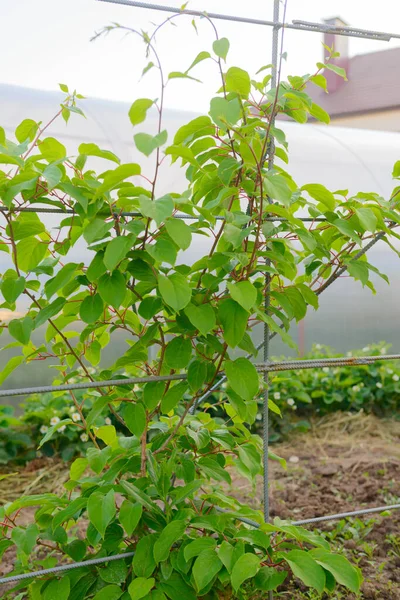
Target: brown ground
344,463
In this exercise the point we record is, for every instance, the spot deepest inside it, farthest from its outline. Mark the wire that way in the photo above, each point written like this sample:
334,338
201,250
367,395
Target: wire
266,367
298,25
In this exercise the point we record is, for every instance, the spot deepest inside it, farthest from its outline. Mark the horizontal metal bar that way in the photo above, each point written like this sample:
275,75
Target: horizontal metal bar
70,211
60,568
86,385
334,517
296,25
285,365
345,361
344,515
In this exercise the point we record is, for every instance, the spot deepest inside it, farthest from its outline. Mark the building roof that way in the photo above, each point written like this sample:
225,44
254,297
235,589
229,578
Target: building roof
373,84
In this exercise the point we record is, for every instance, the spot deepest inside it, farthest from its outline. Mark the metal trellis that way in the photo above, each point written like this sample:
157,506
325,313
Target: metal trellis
266,366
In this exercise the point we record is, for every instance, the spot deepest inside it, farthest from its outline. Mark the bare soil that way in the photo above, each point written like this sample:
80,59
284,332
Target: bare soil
345,463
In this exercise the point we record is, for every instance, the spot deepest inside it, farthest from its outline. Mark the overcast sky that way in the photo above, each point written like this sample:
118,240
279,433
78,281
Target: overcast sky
43,42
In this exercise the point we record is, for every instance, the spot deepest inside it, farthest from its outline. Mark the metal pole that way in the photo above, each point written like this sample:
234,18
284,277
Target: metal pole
271,156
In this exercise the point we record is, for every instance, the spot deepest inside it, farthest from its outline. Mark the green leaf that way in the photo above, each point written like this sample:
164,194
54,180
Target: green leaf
96,230
319,113
198,546
205,568
116,176
93,150
224,111
143,562
396,170
116,250
175,291
12,288
320,81
130,515
52,174
244,293
245,567
169,535
112,288
233,319
268,579
140,587
97,458
135,418
359,270
91,308
138,110
53,429
77,468
305,568
251,458
183,152
30,252
227,168
139,496
20,329
57,589
26,130
197,374
321,194
178,352
277,188
101,510
202,317
49,311
12,364
221,47
164,250
340,567
367,219
347,229
107,433
179,232
158,210
146,143
213,469
63,277
237,80
25,539
226,554
115,572
110,592
51,149
199,125
338,70
152,394
176,589
199,58
242,377
173,396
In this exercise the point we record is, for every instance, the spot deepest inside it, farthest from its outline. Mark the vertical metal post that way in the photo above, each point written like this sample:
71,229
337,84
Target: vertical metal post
271,156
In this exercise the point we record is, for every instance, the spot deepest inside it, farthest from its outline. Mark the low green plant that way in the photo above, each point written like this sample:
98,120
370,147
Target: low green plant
154,485
317,392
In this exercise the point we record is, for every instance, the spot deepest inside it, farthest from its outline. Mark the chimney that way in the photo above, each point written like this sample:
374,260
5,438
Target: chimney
340,44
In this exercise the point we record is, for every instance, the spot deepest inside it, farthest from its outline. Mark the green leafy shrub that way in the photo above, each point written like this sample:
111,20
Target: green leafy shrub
155,486
316,392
